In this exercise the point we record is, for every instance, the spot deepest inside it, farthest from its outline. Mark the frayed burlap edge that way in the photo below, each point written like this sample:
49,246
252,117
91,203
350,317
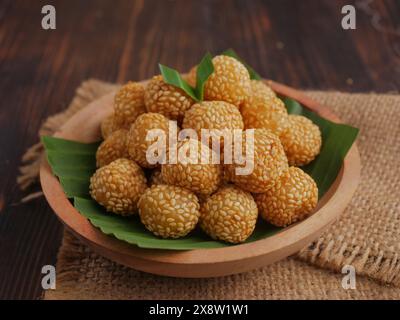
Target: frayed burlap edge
332,254
336,253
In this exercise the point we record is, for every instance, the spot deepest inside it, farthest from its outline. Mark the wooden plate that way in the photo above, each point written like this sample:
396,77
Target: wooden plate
85,127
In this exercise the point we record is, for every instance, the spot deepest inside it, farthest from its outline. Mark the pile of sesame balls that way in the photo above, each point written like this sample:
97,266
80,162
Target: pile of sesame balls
172,199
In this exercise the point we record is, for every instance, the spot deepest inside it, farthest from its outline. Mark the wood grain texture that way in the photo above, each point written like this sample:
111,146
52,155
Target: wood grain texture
299,43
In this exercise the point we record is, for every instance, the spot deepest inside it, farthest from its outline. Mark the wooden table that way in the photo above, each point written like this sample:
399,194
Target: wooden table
300,43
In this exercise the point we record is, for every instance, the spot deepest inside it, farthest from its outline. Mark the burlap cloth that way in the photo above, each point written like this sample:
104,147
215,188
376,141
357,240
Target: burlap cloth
366,236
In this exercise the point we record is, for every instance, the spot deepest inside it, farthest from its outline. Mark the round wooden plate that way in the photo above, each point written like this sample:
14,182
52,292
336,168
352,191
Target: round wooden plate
85,127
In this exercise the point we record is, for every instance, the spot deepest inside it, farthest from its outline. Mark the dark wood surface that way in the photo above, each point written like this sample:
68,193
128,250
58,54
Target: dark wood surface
300,43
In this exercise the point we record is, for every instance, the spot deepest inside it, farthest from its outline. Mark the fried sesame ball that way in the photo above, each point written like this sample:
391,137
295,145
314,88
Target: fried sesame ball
169,211
191,76
107,126
166,99
302,140
230,215
293,197
269,163
156,177
118,186
137,144
264,110
113,148
212,115
229,82
260,90
128,104
194,174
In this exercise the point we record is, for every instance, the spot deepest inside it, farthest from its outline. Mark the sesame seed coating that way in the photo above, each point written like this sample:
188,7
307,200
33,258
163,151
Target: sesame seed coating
128,104
212,115
202,178
302,140
166,99
293,197
230,215
177,196
107,126
229,82
264,110
113,148
169,211
191,76
269,163
260,90
137,144
118,186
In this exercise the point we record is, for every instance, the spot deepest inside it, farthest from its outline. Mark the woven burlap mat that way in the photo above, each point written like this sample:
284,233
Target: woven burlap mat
82,274
366,236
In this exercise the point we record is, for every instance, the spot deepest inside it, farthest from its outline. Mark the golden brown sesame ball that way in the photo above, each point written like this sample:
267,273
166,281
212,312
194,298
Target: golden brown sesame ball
169,211
293,197
264,110
107,126
113,148
166,99
212,115
230,215
260,90
229,82
301,141
156,177
200,177
137,144
128,104
191,76
118,186
269,163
